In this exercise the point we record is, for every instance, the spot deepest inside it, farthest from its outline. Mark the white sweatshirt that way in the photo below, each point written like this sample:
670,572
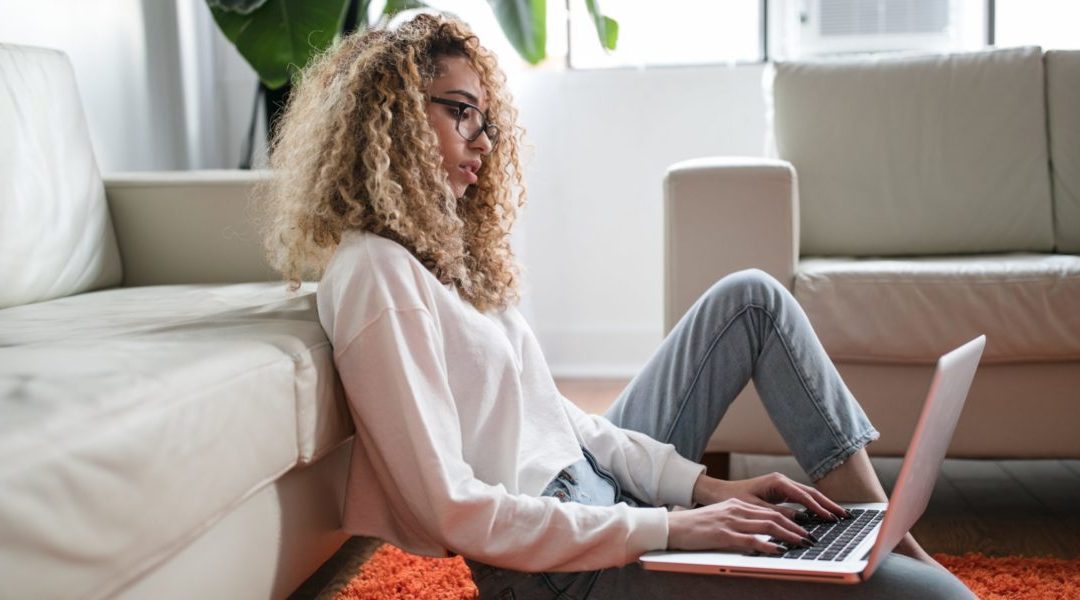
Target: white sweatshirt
460,427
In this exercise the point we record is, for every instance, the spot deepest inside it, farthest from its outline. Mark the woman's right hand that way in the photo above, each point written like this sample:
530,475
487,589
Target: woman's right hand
731,525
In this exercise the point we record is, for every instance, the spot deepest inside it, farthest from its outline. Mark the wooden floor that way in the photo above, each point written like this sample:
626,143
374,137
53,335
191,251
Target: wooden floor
998,508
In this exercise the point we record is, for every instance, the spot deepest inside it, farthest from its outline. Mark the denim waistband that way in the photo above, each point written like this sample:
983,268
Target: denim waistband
586,482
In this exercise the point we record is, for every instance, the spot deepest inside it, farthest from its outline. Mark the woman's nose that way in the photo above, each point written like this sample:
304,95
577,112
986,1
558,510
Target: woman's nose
482,143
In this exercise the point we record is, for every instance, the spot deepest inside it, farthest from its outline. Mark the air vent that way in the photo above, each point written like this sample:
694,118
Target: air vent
877,17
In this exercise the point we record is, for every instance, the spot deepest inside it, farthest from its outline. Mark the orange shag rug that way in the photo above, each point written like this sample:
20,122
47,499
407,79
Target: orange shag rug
391,573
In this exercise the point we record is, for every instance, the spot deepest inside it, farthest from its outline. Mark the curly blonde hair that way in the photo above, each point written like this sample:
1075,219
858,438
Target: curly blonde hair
354,150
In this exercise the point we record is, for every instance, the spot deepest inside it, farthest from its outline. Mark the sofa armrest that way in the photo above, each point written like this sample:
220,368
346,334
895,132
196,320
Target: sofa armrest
187,227
724,214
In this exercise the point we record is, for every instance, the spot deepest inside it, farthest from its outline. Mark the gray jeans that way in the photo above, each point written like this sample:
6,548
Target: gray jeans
746,326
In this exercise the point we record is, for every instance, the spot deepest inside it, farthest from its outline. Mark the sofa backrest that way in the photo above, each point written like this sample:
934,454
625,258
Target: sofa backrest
56,238
1063,108
913,155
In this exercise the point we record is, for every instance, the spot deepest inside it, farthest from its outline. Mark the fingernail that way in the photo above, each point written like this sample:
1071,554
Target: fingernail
848,514
813,537
780,549
806,543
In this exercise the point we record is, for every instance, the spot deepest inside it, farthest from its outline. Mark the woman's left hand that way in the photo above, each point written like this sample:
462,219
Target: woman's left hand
767,490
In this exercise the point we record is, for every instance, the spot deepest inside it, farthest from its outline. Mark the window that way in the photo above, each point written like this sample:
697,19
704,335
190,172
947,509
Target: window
1046,23
673,32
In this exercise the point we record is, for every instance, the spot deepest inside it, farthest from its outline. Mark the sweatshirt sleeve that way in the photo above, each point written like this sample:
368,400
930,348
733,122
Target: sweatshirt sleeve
649,469
395,379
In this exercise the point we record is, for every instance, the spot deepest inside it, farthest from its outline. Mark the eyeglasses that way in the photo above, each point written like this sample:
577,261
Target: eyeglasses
470,120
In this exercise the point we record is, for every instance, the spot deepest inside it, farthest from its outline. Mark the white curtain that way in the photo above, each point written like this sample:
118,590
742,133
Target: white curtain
219,92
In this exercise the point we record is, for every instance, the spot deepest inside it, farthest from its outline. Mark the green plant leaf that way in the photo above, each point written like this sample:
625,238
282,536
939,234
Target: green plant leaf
607,29
280,37
525,24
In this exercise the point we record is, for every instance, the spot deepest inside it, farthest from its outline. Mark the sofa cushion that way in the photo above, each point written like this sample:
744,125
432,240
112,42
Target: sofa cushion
917,155
913,310
135,418
1063,116
55,235
259,313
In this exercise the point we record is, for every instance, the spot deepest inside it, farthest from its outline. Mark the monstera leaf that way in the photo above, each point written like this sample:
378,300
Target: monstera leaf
279,37
606,27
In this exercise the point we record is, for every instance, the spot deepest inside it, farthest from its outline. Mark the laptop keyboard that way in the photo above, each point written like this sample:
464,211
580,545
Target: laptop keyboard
836,538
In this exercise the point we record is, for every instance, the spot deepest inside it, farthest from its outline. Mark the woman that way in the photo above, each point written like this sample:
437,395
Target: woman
397,179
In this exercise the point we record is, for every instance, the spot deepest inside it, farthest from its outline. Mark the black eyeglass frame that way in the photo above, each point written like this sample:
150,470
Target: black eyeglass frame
489,129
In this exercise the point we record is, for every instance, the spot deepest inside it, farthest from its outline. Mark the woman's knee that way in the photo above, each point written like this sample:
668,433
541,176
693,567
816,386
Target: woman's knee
749,286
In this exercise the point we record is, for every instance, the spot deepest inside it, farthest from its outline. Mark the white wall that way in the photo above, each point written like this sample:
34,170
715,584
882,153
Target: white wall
592,229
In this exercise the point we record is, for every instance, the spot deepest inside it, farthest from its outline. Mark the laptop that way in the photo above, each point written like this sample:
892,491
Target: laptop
849,551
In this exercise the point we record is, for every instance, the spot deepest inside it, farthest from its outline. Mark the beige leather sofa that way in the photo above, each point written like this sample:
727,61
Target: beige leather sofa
915,202
171,424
